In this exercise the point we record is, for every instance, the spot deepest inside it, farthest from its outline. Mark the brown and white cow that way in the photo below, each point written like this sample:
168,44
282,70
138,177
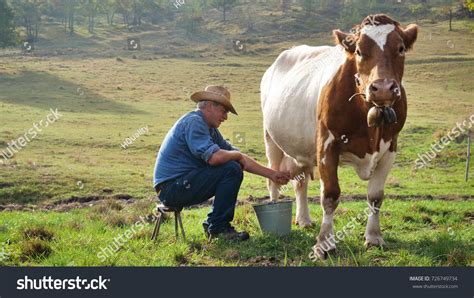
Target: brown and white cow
328,106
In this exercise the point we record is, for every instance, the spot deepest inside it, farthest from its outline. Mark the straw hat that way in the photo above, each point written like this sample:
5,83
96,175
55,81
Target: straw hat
217,94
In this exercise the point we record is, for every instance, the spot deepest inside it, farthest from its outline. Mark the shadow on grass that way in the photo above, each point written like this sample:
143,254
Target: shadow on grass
44,91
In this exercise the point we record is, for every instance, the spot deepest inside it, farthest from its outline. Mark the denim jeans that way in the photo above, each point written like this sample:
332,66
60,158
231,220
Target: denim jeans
223,182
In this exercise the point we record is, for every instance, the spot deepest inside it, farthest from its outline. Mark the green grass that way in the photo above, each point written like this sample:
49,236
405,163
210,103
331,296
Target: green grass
418,233
105,96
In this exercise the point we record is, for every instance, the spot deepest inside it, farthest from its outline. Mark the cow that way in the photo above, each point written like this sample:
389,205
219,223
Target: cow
326,106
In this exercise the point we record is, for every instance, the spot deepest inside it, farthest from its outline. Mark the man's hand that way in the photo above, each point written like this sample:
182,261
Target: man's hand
280,177
243,162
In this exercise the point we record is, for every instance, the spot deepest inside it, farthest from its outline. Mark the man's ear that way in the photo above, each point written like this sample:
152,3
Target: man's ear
347,40
409,35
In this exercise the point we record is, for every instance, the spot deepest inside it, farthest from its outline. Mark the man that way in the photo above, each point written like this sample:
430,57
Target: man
195,163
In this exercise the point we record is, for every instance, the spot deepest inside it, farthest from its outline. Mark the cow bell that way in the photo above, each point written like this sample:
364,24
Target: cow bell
374,117
389,115
377,115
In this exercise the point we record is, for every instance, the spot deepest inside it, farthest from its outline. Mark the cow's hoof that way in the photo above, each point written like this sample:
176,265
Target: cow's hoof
321,253
375,240
304,222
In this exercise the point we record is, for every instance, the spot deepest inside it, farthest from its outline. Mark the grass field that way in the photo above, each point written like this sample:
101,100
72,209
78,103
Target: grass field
106,96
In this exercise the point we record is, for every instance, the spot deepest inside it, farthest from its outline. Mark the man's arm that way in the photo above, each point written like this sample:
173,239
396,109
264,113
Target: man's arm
223,156
249,165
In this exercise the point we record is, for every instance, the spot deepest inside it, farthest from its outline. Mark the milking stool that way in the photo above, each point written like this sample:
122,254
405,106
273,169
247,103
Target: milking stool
162,209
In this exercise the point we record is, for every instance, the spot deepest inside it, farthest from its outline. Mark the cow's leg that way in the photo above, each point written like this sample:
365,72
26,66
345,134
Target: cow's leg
373,235
300,184
274,156
328,159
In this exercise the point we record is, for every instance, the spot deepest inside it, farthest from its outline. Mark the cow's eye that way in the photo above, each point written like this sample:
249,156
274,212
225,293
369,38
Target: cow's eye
401,50
358,53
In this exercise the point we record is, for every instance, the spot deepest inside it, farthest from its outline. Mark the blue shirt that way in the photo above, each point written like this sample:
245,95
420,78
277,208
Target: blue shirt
188,145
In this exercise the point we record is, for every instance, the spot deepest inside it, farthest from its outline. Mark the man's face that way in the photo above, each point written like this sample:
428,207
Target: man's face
216,114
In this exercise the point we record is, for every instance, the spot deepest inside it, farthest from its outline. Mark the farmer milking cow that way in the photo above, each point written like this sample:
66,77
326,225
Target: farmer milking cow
195,163
328,106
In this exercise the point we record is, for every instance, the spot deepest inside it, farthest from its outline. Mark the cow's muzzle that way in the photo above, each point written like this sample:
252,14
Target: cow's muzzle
383,92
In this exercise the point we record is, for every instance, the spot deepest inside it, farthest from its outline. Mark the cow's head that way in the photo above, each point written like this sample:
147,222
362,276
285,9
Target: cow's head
378,48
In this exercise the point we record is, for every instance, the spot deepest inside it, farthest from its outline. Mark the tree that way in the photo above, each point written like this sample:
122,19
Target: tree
109,8
124,7
285,5
448,9
469,6
309,6
28,14
91,9
138,10
7,26
192,17
416,10
69,11
225,6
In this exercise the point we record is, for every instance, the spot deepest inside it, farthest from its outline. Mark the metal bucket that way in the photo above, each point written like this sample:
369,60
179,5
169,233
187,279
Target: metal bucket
275,217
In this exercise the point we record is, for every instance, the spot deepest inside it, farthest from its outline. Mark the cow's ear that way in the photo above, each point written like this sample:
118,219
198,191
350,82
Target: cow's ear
409,35
347,40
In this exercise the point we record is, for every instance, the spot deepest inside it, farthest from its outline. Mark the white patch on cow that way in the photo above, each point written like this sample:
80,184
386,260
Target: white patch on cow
378,33
375,191
326,145
328,140
301,193
290,91
327,224
328,218
365,167
377,181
